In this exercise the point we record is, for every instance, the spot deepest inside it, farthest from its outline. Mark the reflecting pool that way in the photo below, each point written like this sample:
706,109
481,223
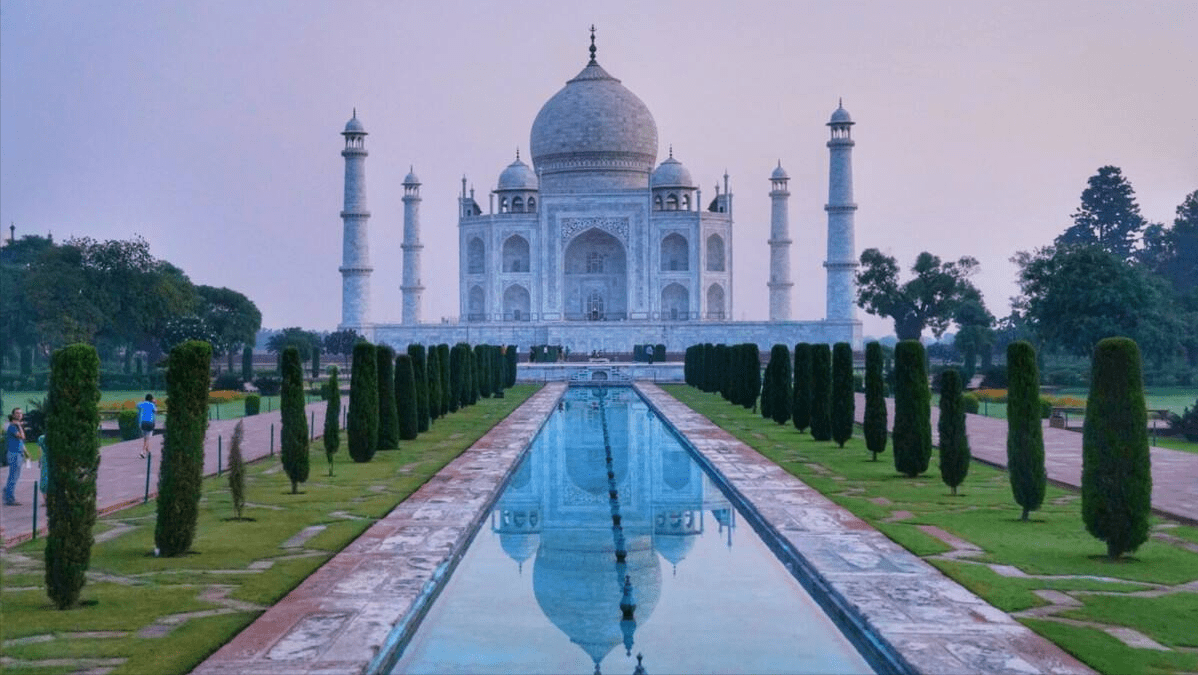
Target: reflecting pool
612,550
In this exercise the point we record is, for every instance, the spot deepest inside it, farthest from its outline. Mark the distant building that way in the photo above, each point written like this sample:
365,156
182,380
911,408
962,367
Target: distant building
594,248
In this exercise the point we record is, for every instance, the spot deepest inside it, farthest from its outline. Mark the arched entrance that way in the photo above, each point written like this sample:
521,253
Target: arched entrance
595,278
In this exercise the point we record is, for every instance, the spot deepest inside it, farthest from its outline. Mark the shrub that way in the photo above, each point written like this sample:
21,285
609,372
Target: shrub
1186,424
800,412
1045,407
457,379
821,392
388,418
433,371
126,421
420,382
779,391
970,403
752,375
1116,471
1025,438
446,387
315,363
293,439
659,353
912,409
247,364
362,418
268,385
874,426
954,443
237,470
405,398
482,370
182,467
253,404
995,378
332,419
71,424
512,356
227,381
843,405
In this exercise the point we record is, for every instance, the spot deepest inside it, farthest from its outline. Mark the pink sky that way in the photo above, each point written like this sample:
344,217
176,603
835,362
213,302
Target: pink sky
212,127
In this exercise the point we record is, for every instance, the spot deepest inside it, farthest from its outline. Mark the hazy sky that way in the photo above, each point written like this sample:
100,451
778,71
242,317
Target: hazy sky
212,128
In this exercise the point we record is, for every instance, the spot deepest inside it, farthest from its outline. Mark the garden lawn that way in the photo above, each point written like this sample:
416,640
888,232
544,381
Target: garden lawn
133,604
1053,548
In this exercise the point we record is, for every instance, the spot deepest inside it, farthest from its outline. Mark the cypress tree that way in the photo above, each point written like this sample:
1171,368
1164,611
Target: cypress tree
332,419
767,388
800,412
875,401
420,381
482,369
293,439
821,392
721,370
843,405
780,390
247,364
456,378
433,367
362,418
388,417
446,386
1116,467
752,375
315,362
405,397
182,467
498,371
237,470
954,443
912,409
71,422
513,357
1025,438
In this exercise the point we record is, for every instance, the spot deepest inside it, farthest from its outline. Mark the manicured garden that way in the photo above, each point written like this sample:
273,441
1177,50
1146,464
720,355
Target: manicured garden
1143,591
140,613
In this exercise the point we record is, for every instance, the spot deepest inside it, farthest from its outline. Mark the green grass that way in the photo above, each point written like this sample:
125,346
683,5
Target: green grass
1054,543
1169,619
165,586
1108,655
216,411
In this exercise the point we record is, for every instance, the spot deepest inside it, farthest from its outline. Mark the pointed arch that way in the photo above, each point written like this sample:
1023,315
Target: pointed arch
715,253
715,302
476,256
675,303
516,303
476,304
516,256
675,253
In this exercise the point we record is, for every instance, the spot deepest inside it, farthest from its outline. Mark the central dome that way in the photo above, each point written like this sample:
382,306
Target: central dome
594,134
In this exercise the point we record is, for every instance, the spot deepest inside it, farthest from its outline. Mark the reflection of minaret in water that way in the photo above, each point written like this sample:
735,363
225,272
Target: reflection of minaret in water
727,519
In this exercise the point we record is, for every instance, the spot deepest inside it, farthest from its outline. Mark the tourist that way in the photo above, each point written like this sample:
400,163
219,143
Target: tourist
14,437
145,416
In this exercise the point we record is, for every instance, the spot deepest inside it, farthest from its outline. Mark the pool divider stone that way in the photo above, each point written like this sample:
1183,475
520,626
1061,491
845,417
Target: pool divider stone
352,614
903,613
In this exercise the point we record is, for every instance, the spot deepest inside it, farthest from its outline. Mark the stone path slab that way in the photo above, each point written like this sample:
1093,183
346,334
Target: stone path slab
342,615
935,624
1174,472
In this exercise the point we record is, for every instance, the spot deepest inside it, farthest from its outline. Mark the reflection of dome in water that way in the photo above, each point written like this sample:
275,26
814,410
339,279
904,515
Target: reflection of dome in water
522,475
676,469
519,547
579,586
674,547
586,464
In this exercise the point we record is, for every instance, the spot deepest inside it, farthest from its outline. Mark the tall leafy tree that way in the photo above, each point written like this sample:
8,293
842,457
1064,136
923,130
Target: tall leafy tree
912,435
182,468
821,392
874,426
293,439
71,423
332,419
405,397
247,363
304,342
388,415
341,342
1116,470
975,336
800,413
233,318
843,403
954,442
928,300
362,417
1108,217
1025,438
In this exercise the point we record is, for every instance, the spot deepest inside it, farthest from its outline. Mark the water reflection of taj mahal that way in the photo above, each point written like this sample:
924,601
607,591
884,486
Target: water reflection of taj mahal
557,513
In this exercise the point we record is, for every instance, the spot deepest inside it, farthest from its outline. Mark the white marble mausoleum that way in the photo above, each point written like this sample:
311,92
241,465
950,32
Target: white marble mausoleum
597,246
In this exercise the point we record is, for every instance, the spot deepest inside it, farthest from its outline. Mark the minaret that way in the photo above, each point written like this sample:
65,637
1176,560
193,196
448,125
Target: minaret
780,283
411,288
355,244
842,262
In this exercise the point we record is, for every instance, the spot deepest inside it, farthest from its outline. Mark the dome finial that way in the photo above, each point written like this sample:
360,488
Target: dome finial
593,62
355,112
840,101
517,154
671,151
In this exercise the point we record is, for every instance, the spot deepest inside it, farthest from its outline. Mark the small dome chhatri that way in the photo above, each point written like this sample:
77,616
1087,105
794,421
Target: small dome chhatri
354,125
671,173
411,178
840,115
517,176
779,173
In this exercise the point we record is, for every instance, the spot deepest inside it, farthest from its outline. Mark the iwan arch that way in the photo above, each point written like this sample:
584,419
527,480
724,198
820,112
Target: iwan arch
596,246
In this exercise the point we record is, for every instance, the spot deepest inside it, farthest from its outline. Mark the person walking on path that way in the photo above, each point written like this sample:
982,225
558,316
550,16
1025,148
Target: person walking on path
14,441
145,416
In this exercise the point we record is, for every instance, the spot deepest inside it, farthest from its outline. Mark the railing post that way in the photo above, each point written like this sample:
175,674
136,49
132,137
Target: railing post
219,451
148,459
272,439
312,426
34,536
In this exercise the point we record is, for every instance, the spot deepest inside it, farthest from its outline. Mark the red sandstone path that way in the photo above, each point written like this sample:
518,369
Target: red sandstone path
1174,472
122,480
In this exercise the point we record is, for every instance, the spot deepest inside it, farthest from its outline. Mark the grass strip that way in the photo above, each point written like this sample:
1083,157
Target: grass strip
132,591
1055,542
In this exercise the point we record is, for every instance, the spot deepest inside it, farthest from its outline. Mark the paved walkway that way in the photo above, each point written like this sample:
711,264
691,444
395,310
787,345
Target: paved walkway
122,479
1174,472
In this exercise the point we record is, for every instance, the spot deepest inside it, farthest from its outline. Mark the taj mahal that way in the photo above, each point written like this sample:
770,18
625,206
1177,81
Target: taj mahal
596,246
